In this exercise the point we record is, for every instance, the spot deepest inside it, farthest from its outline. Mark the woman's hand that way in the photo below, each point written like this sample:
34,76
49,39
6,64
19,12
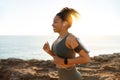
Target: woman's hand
60,62
46,47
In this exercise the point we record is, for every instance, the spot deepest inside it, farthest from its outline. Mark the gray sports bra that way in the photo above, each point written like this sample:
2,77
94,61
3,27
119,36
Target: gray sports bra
61,50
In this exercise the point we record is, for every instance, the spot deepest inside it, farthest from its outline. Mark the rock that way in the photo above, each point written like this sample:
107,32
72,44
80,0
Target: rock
103,67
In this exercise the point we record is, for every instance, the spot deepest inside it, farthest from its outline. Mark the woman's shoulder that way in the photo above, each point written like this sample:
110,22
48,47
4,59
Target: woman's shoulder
72,41
71,36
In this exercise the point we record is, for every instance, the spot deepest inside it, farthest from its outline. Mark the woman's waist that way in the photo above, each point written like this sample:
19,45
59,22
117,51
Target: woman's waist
65,66
67,71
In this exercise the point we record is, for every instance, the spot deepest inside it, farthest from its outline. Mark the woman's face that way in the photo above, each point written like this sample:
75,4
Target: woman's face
57,24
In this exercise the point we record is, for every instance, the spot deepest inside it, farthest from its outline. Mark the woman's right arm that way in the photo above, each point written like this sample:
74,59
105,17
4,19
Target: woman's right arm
51,53
46,48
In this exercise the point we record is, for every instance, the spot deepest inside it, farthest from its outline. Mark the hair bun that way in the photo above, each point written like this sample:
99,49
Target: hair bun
65,14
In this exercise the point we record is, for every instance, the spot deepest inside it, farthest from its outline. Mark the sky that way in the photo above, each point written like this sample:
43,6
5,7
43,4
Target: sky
35,17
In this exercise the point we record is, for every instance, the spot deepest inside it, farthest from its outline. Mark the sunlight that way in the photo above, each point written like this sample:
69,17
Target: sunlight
34,20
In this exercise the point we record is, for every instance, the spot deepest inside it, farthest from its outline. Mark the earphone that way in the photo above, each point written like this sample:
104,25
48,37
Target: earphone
64,24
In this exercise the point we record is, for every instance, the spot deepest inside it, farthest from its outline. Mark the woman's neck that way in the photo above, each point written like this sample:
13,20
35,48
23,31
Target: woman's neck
63,33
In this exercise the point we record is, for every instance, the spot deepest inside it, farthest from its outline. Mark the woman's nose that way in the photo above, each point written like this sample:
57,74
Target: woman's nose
52,24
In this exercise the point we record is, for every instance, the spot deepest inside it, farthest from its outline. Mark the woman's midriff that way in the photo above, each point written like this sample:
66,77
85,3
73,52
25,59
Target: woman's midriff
65,66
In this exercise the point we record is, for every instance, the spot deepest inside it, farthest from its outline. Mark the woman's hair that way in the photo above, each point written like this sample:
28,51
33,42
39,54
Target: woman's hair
66,15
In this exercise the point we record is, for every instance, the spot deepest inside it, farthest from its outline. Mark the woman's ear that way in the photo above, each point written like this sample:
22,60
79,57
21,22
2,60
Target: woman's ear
65,23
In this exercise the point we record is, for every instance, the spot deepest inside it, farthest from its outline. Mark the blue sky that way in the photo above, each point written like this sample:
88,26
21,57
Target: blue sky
35,17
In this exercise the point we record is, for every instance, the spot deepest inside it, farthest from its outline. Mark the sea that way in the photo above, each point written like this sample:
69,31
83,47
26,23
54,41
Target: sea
31,47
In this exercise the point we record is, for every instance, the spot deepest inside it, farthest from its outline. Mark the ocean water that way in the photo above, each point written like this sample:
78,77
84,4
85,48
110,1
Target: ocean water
30,47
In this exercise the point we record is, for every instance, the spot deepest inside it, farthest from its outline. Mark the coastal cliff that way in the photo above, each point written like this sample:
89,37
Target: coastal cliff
102,67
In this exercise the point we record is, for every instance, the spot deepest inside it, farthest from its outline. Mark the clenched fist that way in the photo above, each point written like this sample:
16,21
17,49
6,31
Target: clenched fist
46,47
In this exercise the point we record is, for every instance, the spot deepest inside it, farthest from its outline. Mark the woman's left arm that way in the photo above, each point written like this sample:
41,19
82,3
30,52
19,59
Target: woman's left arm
80,49
81,59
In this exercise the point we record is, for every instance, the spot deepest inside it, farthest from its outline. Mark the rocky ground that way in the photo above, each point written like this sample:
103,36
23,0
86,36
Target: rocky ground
102,67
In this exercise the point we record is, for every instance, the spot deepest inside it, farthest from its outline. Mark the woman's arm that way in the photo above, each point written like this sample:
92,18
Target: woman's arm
46,47
81,59
77,46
